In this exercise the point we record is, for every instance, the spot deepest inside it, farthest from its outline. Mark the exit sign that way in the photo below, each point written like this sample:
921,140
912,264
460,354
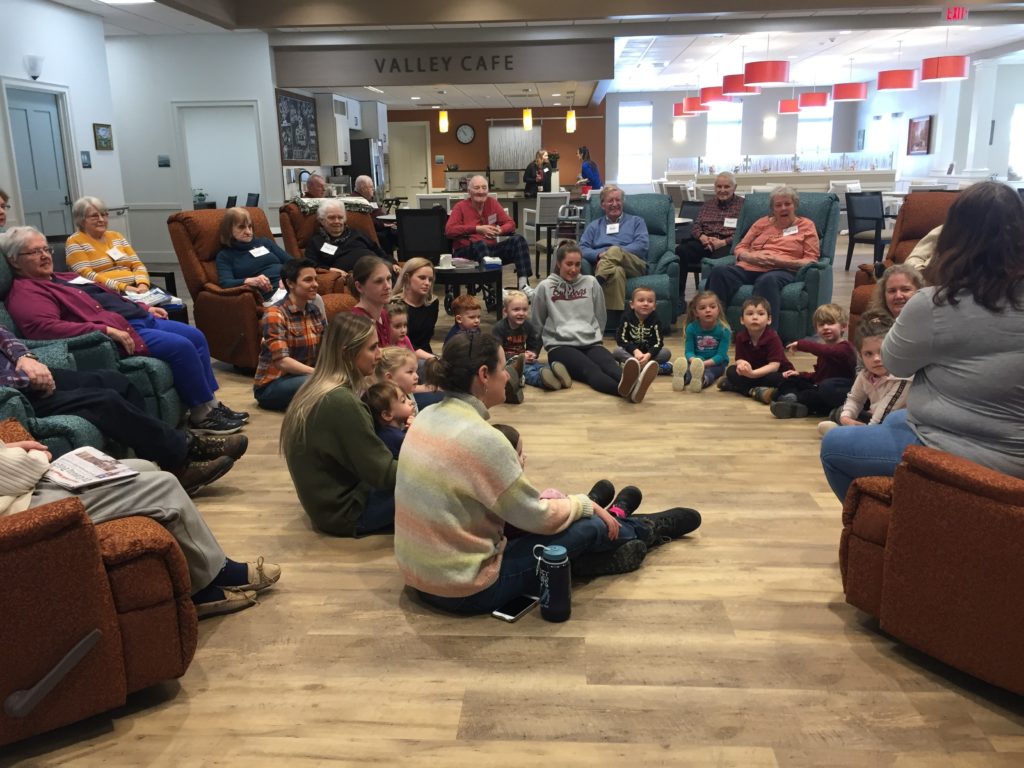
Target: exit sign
955,13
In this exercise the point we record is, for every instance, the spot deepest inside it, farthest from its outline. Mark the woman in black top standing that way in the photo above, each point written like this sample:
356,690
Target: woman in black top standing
538,175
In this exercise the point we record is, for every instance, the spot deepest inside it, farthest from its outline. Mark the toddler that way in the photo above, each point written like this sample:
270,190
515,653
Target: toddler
400,366
875,393
398,315
760,357
466,309
392,412
825,388
520,338
707,344
640,334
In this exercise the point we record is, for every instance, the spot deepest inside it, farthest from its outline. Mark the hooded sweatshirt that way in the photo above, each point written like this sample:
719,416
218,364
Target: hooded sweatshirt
569,314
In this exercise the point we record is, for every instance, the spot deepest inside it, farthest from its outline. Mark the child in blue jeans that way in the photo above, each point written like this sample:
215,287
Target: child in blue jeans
707,345
518,336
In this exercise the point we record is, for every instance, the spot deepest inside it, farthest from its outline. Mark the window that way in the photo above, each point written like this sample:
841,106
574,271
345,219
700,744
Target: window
636,143
814,132
1016,161
725,129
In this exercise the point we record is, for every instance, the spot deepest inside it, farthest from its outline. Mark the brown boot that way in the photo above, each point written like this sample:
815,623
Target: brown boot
207,447
196,474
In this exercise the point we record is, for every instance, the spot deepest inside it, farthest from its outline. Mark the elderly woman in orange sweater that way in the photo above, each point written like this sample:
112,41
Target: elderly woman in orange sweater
773,250
102,255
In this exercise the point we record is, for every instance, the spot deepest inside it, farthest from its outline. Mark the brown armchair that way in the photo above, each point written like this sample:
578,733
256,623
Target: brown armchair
936,553
228,317
297,228
90,613
920,213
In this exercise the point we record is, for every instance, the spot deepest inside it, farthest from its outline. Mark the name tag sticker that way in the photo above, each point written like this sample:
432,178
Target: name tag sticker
329,249
117,254
730,223
791,230
80,281
493,218
612,229
259,251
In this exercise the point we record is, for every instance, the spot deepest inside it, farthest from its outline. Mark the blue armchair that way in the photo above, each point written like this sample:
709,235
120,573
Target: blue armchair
813,284
662,275
91,351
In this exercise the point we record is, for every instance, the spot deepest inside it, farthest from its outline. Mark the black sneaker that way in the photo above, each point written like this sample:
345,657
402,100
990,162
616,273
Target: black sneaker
207,447
670,524
242,416
786,409
623,559
602,493
216,423
628,500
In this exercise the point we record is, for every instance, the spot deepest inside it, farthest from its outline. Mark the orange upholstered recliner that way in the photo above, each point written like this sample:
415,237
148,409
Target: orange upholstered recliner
936,553
920,213
100,611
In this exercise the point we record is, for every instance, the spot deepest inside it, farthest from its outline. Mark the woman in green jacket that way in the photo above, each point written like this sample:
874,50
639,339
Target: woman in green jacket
334,456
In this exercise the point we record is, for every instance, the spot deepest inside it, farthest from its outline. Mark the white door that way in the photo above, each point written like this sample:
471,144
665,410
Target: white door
39,154
222,151
409,160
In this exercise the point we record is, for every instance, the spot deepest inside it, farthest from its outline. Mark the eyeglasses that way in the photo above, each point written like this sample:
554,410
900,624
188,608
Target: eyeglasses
5,206
38,251
94,216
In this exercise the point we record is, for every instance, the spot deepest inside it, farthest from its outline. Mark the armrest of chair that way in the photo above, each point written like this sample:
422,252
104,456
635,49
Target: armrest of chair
328,282
871,528
13,431
707,264
238,290
661,265
820,265
94,351
14,408
962,474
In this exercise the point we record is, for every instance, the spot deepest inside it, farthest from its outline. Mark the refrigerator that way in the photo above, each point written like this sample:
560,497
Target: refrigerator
368,160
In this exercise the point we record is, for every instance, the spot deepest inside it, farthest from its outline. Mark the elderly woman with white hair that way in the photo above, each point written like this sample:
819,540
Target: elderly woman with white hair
103,255
773,250
337,247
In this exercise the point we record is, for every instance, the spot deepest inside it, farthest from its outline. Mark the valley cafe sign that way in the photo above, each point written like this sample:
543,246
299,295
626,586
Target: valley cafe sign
311,67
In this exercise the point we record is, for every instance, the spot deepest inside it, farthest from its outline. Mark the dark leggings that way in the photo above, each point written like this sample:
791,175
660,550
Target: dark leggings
743,385
593,365
820,399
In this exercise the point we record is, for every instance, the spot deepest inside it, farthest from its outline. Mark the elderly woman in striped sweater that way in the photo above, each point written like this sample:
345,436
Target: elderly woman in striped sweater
103,255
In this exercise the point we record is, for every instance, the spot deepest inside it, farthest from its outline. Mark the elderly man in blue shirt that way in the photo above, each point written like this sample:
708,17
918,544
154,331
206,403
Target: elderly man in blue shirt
616,244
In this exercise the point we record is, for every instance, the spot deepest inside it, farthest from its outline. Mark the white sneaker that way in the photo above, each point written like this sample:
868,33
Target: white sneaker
696,375
679,367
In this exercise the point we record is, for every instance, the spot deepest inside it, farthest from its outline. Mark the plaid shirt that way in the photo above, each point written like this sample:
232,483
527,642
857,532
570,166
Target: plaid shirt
288,332
11,351
712,215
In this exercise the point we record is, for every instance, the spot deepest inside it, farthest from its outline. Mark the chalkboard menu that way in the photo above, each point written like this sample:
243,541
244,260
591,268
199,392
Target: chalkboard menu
296,121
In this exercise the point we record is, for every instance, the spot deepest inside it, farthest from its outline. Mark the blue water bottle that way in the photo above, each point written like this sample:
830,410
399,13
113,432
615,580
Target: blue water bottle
555,582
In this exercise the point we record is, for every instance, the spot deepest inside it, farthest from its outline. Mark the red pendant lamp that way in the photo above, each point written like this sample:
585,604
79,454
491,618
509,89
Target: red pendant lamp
734,85
766,73
813,99
692,104
940,69
849,92
713,94
679,110
789,106
897,79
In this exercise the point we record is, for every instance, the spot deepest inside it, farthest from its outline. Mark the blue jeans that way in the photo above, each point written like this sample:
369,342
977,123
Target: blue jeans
379,514
851,452
531,374
185,350
278,394
518,574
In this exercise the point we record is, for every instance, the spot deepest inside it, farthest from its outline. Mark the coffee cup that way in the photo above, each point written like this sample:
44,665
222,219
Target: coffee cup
445,262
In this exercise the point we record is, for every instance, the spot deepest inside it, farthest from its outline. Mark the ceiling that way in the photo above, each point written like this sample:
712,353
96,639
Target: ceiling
652,52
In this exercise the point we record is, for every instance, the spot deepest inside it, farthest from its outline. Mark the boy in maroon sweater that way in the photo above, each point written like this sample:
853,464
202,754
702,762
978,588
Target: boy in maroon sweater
817,392
761,360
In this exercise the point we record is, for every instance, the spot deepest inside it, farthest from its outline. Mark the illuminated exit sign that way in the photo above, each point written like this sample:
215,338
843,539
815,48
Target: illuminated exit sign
955,13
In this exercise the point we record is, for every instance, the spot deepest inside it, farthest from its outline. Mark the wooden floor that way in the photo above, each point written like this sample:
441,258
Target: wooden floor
733,647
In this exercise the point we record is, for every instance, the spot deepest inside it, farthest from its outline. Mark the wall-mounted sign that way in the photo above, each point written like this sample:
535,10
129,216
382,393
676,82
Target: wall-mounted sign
311,67
952,14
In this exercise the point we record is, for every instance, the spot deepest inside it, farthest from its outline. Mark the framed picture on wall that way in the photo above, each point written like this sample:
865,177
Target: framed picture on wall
103,136
919,136
296,121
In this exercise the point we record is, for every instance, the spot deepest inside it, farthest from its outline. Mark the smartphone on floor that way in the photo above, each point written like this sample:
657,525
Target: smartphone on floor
516,608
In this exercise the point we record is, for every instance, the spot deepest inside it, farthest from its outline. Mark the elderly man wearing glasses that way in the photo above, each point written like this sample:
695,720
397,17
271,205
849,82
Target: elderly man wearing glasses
102,255
4,208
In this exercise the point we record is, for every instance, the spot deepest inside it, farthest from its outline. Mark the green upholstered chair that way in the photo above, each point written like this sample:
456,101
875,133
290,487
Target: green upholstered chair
92,351
813,284
662,275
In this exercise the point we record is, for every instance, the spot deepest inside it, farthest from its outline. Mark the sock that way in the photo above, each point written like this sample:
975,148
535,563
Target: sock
208,594
232,575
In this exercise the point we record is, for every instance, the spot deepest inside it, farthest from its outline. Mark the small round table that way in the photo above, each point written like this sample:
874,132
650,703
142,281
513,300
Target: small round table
472,276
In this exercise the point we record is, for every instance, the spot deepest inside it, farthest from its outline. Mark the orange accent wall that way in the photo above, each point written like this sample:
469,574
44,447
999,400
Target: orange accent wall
473,156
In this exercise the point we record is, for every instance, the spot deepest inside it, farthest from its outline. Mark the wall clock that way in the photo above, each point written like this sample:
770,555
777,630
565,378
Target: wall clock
465,133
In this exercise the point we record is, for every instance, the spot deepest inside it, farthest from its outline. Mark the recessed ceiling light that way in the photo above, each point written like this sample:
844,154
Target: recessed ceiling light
557,104
371,88
846,32
415,98
435,106
792,57
556,95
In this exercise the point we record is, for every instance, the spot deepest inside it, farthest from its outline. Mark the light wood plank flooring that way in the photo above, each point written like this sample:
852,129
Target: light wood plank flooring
731,648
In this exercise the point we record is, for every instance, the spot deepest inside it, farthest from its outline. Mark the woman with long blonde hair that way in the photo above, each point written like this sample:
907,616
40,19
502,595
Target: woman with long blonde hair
334,456
415,288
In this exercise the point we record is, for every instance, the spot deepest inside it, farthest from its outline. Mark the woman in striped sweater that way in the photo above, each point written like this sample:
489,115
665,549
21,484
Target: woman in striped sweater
449,525
102,255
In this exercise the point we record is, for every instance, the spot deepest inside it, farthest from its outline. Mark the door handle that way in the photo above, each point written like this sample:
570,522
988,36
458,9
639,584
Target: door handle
67,200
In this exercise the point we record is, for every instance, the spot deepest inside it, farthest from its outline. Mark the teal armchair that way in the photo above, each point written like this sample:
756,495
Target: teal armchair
813,284
94,351
662,275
